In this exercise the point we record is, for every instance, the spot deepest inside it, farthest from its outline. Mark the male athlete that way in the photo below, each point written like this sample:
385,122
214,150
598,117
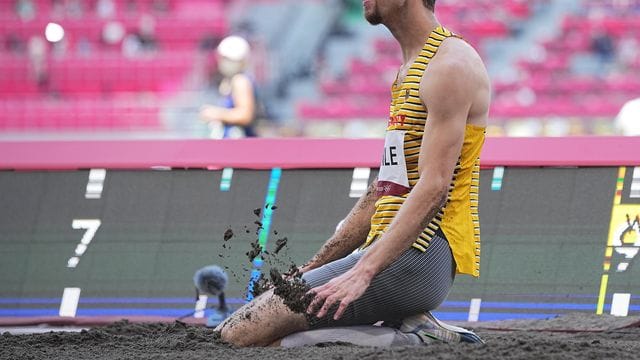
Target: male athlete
417,225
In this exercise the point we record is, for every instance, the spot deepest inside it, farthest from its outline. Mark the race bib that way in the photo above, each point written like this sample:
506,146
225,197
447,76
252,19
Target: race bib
392,179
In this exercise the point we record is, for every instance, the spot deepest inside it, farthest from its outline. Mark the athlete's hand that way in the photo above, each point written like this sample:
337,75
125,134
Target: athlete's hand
209,113
343,290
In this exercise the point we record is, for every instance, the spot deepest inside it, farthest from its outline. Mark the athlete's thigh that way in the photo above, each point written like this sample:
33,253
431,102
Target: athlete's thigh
414,283
326,272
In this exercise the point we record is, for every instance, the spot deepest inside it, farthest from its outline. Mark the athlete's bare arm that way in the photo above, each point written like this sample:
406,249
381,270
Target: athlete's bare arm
244,104
351,234
455,89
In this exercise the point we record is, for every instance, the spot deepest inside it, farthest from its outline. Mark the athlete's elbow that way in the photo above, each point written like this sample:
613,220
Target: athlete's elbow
437,184
441,196
434,199
239,116
242,119
436,191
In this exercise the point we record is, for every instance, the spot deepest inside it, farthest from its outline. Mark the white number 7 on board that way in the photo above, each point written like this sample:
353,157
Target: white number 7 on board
91,225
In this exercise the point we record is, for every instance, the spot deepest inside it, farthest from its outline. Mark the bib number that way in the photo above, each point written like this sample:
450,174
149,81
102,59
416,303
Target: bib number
392,179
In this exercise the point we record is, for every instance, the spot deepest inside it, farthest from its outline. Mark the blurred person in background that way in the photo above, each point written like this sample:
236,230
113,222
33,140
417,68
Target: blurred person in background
160,6
75,8
84,47
112,34
14,44
235,116
629,52
602,46
25,9
38,53
628,120
143,41
105,9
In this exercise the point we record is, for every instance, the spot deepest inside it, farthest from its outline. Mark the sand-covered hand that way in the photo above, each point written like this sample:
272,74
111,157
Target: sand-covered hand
342,290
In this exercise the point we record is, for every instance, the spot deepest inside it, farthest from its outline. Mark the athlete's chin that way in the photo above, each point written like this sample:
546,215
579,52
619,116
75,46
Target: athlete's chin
373,18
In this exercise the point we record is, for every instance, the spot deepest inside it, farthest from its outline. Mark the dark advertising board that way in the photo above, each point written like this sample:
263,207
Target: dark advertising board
554,240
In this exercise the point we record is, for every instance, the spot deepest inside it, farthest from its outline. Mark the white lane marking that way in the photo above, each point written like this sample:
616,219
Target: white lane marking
201,304
474,310
95,184
69,302
359,182
620,304
225,180
635,183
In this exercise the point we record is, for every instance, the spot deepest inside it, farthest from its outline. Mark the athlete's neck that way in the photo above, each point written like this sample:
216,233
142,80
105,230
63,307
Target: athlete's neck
411,28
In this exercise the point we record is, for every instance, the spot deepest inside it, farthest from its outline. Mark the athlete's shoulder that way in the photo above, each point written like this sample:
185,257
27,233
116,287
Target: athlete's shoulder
455,53
457,47
459,63
241,79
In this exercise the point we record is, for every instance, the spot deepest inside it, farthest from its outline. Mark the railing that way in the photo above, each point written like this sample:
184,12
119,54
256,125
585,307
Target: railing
300,153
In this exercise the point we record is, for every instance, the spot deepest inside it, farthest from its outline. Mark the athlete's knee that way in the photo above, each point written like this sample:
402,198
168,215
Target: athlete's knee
235,337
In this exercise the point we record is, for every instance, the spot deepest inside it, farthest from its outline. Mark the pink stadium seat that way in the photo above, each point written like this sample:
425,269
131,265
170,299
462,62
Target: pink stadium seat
87,88
559,91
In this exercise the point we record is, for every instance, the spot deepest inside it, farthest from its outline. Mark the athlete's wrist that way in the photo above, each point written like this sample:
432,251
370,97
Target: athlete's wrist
365,270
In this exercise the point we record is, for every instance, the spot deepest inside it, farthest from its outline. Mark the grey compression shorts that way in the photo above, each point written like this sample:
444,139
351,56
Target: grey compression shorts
416,282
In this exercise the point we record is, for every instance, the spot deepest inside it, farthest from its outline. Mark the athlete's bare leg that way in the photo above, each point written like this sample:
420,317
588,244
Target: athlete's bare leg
261,322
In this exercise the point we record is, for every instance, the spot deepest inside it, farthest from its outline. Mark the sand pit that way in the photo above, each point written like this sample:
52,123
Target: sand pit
569,337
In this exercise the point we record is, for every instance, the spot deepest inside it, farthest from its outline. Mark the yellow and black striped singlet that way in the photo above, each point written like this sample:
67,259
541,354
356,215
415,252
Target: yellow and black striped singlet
458,219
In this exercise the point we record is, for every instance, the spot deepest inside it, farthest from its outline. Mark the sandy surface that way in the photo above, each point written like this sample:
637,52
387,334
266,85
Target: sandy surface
568,337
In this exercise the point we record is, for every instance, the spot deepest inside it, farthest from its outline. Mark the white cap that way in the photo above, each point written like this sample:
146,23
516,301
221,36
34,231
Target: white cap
234,48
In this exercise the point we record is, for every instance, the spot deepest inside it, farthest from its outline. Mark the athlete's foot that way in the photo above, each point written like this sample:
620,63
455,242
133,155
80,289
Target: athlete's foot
430,330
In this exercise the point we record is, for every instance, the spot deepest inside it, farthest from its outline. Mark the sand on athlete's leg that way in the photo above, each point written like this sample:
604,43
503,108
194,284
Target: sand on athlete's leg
261,322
